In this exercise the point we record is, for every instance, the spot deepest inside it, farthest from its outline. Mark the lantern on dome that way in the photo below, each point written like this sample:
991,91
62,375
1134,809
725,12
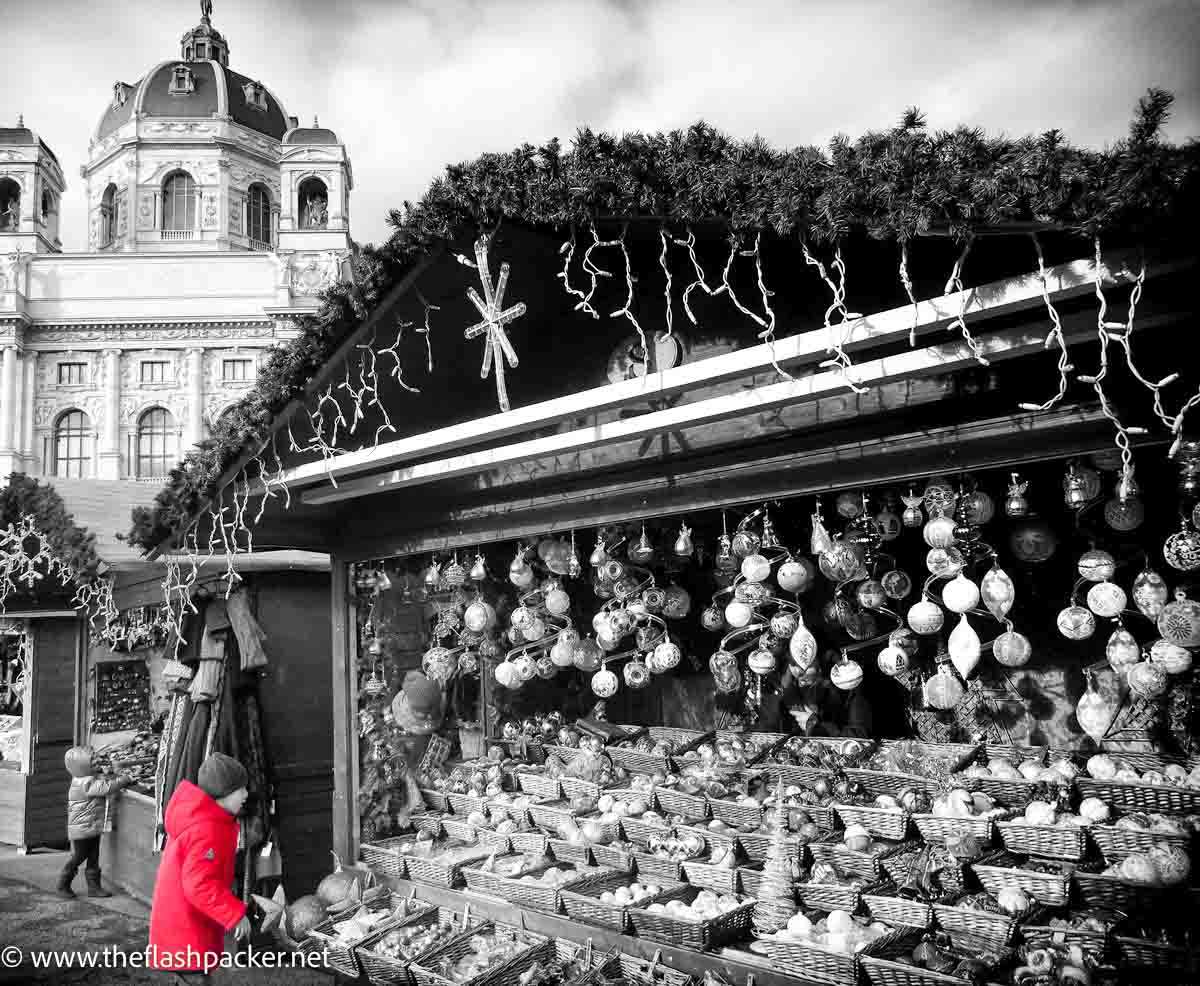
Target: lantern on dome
925,617
1015,504
1032,540
943,690
1096,565
1012,649
796,575
896,584
1106,599
1122,650
1149,593
1081,485
960,595
997,591
1076,623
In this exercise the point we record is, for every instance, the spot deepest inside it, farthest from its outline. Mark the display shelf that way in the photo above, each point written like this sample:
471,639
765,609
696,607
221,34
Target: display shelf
734,965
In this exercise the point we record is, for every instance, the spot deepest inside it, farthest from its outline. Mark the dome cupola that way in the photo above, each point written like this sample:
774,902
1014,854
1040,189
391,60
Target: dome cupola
204,42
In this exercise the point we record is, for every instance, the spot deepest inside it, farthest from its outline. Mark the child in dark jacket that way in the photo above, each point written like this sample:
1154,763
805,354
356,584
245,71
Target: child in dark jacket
85,821
194,905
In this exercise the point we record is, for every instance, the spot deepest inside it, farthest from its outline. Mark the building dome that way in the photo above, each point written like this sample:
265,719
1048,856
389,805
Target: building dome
311,135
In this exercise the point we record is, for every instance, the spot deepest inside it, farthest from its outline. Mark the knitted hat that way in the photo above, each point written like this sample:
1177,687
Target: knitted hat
78,761
424,696
221,775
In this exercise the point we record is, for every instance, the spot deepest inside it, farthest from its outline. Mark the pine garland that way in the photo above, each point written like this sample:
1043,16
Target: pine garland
894,184
73,545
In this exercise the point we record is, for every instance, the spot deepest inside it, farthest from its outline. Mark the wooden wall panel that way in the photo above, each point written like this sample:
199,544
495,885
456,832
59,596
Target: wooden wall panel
12,807
127,855
55,658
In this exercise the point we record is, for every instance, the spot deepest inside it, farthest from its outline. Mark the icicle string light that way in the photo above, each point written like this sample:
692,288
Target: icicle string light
593,271
734,251
689,244
960,321
906,280
768,334
627,309
666,268
564,275
841,359
1055,335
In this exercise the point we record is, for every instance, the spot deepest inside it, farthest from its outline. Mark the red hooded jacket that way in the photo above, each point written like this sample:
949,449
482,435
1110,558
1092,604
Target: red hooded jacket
193,904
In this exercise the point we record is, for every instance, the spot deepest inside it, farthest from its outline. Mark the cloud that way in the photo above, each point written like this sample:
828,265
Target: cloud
413,86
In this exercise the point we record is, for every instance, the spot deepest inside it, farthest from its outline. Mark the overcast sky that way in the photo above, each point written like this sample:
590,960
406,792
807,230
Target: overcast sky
412,86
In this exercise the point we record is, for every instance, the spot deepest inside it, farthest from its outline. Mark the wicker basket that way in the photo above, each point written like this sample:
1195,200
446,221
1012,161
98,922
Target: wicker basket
1141,797
529,843
805,775
537,896
702,873
955,877
1137,953
757,846
955,755
524,748
340,955
1047,841
833,896
440,872
613,857
883,905
1117,843
936,828
1015,754
735,814
435,800
967,925
765,743
675,802
649,763
539,785
582,902
884,823
1095,944
867,864
382,970
492,841
1099,890
1051,889
576,787
374,898
651,972
551,815
1010,793
506,974
880,968
803,960
698,935
656,867
635,830
712,839
567,852
384,858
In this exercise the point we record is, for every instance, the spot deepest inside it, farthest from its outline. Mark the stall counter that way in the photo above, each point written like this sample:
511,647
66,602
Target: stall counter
127,856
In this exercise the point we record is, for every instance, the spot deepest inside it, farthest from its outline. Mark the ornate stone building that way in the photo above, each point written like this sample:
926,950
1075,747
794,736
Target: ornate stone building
214,219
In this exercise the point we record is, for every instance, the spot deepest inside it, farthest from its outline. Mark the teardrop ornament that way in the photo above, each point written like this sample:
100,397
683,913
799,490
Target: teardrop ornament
997,592
964,646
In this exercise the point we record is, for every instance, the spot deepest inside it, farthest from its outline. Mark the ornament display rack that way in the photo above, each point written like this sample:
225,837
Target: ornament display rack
122,698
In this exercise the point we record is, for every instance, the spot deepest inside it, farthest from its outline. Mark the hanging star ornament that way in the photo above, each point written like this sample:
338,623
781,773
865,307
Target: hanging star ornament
274,909
496,347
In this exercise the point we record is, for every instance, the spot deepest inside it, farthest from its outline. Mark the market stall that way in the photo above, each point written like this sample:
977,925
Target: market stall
829,630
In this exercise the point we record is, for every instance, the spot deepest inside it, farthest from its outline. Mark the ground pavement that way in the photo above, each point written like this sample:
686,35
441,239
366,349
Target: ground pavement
33,918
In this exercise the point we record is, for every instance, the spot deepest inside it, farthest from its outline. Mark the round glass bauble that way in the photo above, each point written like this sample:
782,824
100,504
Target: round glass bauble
738,614
1147,680
977,508
587,654
654,599
546,668
960,594
784,624
943,690
835,612
796,575
608,644
1012,649
636,674
849,505
912,517
860,624
649,637
870,594
728,683
722,662
1179,621
1171,657
1076,623
896,584
712,619
1124,514
604,683
939,532
1182,550
535,631
1096,565
1106,599
506,674
563,655
846,674
1149,593
475,617
889,525
526,667
939,496
612,570
1122,650
752,593
745,543
522,579
926,617
558,602
761,661
438,663
892,661
904,639
1032,541
677,604
755,568
840,562
520,617
468,662
944,562
667,655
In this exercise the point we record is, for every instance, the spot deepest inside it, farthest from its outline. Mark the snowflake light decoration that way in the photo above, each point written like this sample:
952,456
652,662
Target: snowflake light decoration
496,347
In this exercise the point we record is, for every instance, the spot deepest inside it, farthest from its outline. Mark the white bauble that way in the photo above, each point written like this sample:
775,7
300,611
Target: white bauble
960,594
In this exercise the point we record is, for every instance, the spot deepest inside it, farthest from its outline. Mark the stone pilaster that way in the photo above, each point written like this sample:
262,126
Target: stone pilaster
10,394
193,434
109,460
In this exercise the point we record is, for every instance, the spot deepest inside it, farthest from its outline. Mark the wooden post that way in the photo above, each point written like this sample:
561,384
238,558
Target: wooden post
345,735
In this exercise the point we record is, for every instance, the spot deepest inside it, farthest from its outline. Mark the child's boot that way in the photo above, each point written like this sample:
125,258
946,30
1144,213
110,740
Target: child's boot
93,884
63,889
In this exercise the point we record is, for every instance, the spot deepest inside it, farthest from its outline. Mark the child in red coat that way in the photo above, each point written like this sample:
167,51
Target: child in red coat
193,902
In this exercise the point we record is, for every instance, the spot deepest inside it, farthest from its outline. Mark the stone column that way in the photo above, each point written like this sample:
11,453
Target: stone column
193,434
109,461
26,440
9,395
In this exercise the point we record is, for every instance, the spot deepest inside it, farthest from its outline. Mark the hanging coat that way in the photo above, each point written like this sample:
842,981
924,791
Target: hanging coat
193,904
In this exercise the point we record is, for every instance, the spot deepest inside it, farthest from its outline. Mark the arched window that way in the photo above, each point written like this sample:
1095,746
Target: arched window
313,204
10,204
108,216
73,445
258,214
47,206
179,202
157,443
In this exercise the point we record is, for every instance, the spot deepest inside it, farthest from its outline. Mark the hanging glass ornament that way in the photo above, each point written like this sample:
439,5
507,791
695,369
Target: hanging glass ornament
1095,711
849,505
636,674
677,604
722,662
587,654
520,617
939,531
683,547
1171,657
562,654
558,603
476,617
1147,680
846,674
1122,650
997,592
1097,565
479,569
835,611
602,589
964,647
1187,458
506,675
889,524
433,577
535,631
641,552
1124,514
621,621
738,614
1080,485
912,516
712,619
925,617
438,663
725,560
896,584
755,568
1182,550
468,663
489,648
667,655
761,661
904,639
728,683
784,624
943,690
978,508
860,624
960,595
574,567
870,594
796,575
599,553
546,668
769,538
864,536
1179,621
1032,541
519,572
745,542
944,562
1012,649
839,562
1015,504
1106,599
454,574
626,588
892,661
1076,623
607,635
604,683
526,667
649,637
1149,593
939,496
820,542
802,648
